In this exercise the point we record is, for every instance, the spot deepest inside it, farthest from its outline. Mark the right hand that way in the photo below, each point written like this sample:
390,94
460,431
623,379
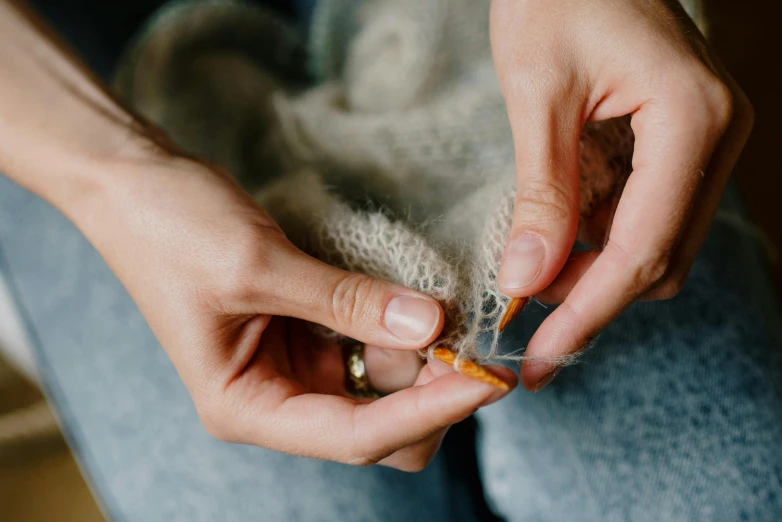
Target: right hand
227,295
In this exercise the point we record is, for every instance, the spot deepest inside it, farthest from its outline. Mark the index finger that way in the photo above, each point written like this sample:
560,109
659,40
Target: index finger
362,433
674,142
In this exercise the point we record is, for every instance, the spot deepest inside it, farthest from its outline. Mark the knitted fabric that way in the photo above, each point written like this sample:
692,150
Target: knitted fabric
398,164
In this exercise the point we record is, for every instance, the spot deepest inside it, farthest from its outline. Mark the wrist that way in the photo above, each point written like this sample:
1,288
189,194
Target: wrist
62,134
76,173
105,183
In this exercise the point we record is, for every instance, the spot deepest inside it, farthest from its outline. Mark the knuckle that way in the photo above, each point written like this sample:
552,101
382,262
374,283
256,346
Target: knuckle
246,263
541,201
216,424
722,102
705,96
362,461
415,465
364,455
352,298
744,112
654,268
364,449
542,81
705,91
669,288
646,269
673,283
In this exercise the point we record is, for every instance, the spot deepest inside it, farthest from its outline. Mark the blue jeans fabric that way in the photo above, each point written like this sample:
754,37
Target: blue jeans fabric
676,414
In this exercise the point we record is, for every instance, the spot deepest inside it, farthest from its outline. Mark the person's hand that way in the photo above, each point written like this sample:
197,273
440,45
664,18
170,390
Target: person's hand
220,284
562,63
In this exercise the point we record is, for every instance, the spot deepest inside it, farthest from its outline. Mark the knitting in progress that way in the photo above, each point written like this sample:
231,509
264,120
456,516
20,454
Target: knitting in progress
397,162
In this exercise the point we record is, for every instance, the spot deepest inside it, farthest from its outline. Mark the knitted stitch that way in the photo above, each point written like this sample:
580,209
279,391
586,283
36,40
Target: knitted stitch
399,164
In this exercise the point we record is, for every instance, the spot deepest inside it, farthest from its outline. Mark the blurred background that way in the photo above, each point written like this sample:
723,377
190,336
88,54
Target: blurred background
39,478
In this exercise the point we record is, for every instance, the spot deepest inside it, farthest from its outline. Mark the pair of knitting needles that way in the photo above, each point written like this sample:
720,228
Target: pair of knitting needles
472,369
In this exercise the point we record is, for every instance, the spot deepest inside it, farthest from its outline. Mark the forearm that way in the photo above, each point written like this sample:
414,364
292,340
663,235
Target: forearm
58,125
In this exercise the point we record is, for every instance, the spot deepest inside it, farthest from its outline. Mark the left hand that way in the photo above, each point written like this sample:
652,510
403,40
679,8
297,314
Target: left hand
562,63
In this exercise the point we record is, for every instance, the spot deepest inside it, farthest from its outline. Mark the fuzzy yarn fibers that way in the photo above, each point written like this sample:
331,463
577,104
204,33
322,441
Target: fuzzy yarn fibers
398,163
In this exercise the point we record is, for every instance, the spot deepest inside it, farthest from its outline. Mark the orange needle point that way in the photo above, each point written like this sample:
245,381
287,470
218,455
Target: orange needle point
470,369
515,306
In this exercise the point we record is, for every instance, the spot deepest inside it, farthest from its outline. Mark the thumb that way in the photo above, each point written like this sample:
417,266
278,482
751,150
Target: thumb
545,220
369,310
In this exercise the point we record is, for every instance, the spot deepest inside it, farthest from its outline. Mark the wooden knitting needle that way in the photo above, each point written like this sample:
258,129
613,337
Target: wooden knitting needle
470,369
515,306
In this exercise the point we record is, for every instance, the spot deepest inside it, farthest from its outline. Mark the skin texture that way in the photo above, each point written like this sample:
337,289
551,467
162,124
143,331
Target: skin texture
562,63
229,297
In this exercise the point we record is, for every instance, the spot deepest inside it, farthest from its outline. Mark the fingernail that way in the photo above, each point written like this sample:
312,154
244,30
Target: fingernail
411,318
546,379
494,397
523,261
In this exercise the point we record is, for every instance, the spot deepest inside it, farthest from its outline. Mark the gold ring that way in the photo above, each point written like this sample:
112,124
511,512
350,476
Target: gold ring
356,380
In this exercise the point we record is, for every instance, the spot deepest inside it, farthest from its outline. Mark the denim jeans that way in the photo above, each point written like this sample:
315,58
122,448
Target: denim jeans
675,415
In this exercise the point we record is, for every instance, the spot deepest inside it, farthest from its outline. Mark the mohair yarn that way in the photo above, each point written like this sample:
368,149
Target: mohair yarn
398,163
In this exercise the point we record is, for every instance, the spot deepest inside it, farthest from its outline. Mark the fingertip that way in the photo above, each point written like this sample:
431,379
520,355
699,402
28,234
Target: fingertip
536,375
546,352
493,392
459,392
527,271
506,375
433,404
